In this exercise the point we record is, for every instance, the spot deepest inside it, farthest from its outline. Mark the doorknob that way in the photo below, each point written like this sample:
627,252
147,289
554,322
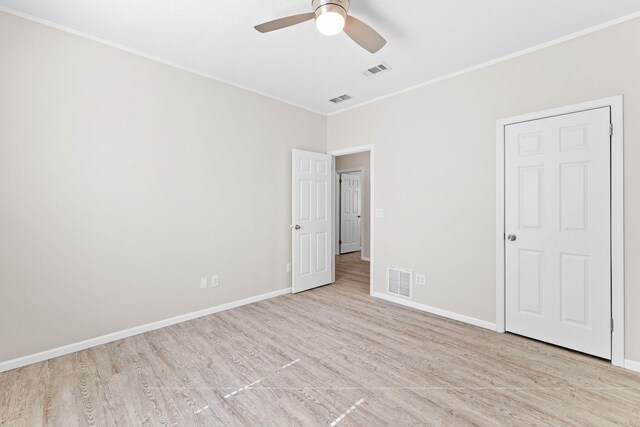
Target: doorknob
511,237
297,227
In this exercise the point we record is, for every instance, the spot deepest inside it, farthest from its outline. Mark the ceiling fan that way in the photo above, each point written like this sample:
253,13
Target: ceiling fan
331,18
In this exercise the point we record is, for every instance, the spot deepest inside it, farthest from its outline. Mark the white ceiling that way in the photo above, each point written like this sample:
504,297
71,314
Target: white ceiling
426,39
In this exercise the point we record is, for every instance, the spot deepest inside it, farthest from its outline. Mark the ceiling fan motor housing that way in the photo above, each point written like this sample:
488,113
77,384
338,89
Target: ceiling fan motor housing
338,6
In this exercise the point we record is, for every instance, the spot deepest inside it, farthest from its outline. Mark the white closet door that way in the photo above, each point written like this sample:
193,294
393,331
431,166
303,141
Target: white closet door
557,222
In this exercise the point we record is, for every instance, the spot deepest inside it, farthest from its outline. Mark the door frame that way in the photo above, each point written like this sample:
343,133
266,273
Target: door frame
616,103
338,207
344,152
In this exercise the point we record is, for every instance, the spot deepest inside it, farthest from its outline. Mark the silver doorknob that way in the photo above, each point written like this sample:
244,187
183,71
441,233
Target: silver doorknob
511,237
297,227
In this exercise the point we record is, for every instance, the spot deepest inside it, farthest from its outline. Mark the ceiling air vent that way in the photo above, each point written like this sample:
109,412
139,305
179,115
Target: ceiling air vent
400,282
340,99
378,69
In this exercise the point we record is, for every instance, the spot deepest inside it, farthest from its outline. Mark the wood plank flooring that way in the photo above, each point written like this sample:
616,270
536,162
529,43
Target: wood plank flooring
330,356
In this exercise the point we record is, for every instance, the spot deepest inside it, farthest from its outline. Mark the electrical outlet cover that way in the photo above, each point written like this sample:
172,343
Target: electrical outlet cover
421,279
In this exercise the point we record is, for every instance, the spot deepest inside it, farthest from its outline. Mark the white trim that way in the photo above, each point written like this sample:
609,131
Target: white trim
361,149
352,170
115,336
504,58
148,56
617,230
437,311
616,103
351,150
632,365
365,258
337,189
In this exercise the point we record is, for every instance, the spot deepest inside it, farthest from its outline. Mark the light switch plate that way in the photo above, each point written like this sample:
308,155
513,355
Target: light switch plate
289,268
215,281
379,213
203,282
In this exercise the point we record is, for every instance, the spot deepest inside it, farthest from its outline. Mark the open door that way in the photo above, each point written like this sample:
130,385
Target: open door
312,230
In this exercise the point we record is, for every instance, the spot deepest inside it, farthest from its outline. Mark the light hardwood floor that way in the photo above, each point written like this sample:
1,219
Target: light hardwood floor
331,356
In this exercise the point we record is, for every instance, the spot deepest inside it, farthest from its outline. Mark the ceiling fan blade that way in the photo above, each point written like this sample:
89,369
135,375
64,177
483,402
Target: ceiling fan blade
364,35
277,24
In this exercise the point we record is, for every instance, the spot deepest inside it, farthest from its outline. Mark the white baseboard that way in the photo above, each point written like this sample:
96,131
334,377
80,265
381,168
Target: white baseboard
71,348
365,258
632,365
436,311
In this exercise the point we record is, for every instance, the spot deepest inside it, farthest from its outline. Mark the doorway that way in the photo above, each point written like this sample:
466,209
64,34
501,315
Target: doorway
356,267
560,252
315,227
353,217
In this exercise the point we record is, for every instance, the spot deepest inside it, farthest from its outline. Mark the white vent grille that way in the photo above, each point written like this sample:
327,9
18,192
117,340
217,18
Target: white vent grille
340,99
400,282
378,69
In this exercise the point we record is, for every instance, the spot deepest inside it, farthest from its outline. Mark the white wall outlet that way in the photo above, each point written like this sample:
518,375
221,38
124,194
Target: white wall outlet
215,281
203,282
289,268
421,279
379,213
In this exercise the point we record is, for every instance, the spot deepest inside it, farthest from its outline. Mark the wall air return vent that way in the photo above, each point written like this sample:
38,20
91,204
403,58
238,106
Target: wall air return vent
340,99
378,69
400,282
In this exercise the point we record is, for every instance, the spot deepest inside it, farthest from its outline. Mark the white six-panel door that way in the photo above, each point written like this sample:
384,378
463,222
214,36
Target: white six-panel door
312,231
557,223
350,213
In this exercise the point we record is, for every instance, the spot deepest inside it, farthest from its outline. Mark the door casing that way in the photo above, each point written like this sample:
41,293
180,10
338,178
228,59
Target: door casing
617,213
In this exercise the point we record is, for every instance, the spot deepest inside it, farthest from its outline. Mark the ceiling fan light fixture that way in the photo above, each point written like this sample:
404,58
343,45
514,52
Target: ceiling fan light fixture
330,19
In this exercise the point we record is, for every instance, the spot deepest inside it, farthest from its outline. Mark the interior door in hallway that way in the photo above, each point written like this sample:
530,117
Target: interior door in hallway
350,213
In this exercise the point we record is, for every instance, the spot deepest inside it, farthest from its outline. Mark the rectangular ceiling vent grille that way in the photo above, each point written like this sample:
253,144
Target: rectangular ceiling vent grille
340,99
400,282
378,69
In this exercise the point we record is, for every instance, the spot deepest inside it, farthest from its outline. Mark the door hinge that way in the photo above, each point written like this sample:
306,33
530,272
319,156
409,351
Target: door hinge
612,324
340,180
339,242
610,129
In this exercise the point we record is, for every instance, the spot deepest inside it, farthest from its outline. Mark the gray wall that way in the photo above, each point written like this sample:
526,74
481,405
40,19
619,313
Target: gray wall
435,164
124,181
